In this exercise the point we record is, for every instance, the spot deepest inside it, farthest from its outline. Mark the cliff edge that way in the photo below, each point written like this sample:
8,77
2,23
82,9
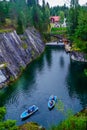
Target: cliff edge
18,51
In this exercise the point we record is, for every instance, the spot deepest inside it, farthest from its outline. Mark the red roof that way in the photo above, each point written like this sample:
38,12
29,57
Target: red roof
55,18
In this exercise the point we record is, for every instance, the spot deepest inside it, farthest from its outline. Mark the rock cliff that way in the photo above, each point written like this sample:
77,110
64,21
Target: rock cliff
18,51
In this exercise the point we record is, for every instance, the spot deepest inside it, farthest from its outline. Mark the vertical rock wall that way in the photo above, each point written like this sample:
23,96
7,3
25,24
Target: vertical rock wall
18,51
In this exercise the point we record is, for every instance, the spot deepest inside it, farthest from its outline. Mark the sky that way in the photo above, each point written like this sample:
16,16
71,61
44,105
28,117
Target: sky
61,2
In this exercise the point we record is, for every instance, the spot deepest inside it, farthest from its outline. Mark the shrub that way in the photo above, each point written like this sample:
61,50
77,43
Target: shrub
6,125
11,78
2,112
85,72
54,29
24,46
8,22
73,123
23,38
22,68
77,122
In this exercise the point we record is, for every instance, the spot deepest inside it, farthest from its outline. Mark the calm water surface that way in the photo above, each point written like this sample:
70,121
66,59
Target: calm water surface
51,73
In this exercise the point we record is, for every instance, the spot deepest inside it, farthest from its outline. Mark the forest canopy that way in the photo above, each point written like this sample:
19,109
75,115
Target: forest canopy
19,14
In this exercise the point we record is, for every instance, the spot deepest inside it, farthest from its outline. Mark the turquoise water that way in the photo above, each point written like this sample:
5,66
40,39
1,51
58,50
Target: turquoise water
51,73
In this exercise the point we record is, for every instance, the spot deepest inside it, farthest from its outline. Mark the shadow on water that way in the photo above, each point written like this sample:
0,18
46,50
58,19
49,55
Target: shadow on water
77,82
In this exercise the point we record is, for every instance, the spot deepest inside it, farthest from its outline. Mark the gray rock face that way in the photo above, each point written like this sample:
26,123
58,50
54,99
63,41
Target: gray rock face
18,51
78,56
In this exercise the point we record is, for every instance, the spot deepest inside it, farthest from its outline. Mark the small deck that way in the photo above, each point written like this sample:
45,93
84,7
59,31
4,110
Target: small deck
55,44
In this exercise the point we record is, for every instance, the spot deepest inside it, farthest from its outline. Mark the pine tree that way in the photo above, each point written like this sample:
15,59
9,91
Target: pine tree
12,1
31,2
19,26
73,16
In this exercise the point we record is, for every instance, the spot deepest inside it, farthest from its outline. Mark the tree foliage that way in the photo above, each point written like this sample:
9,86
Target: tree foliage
81,30
24,13
77,25
55,11
73,16
4,11
20,14
2,113
6,125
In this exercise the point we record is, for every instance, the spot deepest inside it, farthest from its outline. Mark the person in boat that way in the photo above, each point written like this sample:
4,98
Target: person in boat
51,102
52,97
33,108
29,110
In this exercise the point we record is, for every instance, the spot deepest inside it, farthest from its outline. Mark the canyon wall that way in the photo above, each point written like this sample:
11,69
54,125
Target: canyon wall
18,51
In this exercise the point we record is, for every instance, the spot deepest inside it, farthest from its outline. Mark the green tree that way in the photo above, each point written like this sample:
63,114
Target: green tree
4,11
6,125
81,31
2,113
12,0
61,14
35,16
19,9
80,38
31,2
56,10
45,16
19,28
73,16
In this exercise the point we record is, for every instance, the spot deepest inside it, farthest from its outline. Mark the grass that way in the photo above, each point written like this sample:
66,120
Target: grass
5,30
58,33
73,123
77,122
25,46
55,29
58,30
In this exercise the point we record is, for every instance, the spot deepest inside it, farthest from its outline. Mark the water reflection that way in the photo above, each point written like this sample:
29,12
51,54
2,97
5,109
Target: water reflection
62,61
77,82
39,63
6,94
48,55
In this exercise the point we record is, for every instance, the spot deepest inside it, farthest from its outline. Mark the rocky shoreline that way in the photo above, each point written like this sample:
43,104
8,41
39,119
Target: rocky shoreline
75,55
78,56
